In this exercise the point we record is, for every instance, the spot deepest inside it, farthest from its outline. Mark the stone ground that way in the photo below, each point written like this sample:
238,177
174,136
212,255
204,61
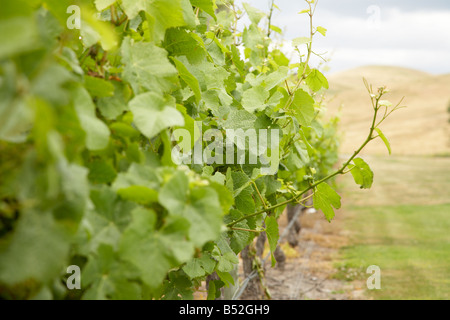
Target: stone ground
308,273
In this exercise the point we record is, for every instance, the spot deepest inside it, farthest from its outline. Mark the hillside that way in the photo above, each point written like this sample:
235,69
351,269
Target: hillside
420,129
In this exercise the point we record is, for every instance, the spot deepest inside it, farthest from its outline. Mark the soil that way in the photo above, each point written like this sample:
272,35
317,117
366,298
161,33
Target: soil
308,273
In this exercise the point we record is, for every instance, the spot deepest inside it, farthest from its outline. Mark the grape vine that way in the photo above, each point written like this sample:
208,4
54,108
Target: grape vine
93,95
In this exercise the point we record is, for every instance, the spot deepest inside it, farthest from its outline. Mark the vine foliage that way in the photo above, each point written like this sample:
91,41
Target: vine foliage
87,122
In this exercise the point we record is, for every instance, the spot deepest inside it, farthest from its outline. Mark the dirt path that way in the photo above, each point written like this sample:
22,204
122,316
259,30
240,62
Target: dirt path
309,269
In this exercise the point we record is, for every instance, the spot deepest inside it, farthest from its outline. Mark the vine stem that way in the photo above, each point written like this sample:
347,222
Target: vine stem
314,185
235,26
259,194
269,30
113,15
308,57
243,229
304,199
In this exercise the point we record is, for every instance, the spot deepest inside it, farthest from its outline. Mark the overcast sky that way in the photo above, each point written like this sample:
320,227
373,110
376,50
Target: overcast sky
413,34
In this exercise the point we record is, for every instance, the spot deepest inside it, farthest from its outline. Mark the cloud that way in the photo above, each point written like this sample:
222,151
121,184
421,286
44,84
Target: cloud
415,39
402,33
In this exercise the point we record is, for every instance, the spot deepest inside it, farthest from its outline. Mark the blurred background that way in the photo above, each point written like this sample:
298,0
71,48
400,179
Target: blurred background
401,33
404,45
402,224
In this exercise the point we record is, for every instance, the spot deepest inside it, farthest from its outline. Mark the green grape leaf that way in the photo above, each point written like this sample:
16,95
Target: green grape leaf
225,257
104,224
303,106
19,34
272,236
385,140
225,196
276,29
239,239
322,31
153,252
57,92
244,201
268,81
316,80
139,194
243,192
36,251
95,230
154,113
123,130
97,133
93,274
254,99
163,14
98,87
280,58
15,120
254,14
111,207
300,40
194,269
238,63
206,5
384,103
180,42
139,184
213,293
205,215
276,78
198,205
75,188
94,30
226,262
209,76
103,4
190,80
325,198
178,287
106,277
112,107
239,119
137,175
199,267
362,174
226,278
101,172
147,67
174,194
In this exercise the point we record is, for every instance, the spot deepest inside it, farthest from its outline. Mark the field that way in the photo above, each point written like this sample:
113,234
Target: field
402,224
420,129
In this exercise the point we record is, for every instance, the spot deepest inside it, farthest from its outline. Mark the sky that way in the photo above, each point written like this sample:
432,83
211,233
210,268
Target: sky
413,34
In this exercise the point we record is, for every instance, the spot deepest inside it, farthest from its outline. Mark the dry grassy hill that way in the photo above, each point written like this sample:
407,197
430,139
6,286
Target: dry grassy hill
421,129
